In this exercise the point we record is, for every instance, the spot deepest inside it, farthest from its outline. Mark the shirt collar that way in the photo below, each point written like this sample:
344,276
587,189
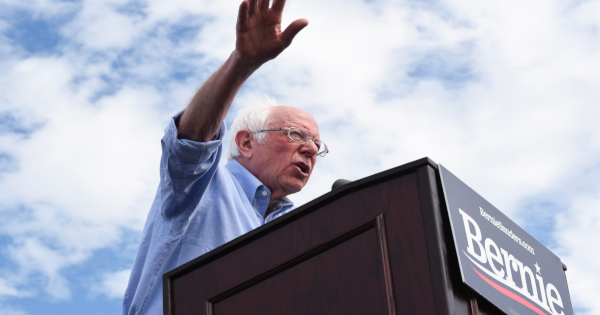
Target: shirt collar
248,181
283,203
252,187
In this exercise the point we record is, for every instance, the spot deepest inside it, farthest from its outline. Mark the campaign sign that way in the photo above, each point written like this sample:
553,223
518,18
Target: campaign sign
501,261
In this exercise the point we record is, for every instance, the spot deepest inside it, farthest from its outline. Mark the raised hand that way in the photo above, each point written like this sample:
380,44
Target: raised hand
259,35
259,39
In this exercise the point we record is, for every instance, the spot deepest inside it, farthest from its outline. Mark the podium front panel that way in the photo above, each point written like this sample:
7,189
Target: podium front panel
345,275
374,246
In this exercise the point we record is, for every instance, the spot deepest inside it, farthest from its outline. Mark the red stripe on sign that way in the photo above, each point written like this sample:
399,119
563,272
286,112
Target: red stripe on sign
509,294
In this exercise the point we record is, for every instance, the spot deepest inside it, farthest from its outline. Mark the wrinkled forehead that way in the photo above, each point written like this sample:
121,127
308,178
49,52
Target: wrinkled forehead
287,116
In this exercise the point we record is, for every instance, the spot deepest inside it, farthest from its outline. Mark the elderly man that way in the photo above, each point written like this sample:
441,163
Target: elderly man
201,204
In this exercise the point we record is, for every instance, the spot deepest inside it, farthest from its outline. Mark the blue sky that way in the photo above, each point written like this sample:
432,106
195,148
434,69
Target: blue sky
502,93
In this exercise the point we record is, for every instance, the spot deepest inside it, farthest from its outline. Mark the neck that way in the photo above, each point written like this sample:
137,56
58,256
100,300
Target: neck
275,194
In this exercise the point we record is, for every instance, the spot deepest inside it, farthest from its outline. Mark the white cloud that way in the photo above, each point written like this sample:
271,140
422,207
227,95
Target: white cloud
40,8
86,173
112,284
9,290
577,235
101,25
8,310
504,94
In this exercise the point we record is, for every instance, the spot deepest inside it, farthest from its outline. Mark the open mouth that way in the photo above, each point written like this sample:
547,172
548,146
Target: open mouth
304,168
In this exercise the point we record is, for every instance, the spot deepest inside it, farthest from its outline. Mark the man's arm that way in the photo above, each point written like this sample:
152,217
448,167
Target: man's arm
258,39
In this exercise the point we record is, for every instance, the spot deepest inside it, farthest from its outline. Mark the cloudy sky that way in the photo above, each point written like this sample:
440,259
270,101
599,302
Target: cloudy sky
503,93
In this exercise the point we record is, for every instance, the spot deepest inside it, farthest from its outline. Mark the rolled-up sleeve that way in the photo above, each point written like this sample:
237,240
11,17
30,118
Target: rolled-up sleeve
189,151
186,169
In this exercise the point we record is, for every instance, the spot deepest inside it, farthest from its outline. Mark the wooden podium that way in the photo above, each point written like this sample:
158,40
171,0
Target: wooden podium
379,245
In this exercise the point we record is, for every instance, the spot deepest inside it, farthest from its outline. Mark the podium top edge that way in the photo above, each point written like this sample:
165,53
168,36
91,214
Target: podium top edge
300,211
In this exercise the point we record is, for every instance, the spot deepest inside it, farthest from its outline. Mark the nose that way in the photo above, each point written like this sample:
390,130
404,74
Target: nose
309,148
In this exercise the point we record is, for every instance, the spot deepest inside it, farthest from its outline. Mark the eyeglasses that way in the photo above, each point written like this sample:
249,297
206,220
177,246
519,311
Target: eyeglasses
301,136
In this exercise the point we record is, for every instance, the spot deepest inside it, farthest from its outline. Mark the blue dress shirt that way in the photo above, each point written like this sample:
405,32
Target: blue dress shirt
200,205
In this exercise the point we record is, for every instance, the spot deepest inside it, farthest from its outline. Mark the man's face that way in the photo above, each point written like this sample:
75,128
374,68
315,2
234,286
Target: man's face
281,164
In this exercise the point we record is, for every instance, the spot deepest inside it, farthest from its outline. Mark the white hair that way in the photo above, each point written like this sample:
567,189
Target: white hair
254,116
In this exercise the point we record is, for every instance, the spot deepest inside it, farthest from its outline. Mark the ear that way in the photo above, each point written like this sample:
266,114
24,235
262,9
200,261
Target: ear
243,140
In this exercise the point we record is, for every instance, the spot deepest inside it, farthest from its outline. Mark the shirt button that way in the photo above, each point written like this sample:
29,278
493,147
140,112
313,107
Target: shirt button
265,193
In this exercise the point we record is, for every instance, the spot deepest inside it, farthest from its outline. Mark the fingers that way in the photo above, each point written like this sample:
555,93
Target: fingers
243,13
278,5
290,32
263,5
253,9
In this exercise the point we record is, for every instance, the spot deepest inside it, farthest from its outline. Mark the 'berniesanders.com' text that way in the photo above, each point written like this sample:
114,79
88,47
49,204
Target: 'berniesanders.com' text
508,232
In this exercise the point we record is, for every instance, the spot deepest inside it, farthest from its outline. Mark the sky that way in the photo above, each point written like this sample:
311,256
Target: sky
502,93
